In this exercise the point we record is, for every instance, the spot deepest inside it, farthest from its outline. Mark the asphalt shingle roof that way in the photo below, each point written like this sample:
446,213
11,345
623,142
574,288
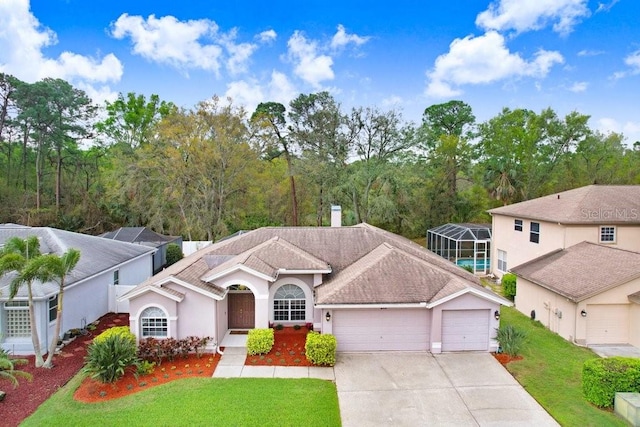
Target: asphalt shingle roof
593,204
582,271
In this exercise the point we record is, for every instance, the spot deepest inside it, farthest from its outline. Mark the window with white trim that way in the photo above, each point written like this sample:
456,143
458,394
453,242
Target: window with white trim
154,323
607,234
53,308
517,224
17,319
289,304
502,260
534,235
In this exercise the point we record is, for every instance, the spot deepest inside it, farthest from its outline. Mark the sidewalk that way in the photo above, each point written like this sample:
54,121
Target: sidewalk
232,365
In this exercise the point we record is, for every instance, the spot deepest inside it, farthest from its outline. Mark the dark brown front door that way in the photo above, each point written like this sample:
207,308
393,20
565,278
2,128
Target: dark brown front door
241,310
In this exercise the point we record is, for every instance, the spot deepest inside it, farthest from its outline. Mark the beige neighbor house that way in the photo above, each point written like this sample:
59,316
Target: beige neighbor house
576,255
372,289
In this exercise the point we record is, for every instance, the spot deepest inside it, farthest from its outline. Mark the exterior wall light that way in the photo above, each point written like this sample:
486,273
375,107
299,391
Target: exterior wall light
328,316
496,314
583,313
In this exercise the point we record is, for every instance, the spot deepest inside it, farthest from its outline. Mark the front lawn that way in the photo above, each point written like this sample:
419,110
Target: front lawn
551,371
201,401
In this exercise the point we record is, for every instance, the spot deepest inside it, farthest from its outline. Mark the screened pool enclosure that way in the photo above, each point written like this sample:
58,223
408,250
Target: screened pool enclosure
467,245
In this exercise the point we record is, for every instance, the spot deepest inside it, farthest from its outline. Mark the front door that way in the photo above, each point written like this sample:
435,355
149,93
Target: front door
241,310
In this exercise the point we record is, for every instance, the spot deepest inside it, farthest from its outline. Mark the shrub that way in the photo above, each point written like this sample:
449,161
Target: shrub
124,331
296,327
320,349
174,254
108,358
509,285
602,378
260,341
468,268
511,339
279,326
145,367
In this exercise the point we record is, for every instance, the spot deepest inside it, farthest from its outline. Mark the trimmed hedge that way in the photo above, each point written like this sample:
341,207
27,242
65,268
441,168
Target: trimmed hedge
123,331
260,341
602,378
321,348
509,285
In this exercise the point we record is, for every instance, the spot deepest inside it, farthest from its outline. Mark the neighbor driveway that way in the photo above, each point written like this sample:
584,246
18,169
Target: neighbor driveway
421,389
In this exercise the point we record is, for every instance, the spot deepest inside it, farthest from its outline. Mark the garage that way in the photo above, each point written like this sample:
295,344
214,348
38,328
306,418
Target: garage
404,329
465,330
607,324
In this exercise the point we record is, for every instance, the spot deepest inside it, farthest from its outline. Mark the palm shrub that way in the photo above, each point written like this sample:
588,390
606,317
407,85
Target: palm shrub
511,339
8,371
108,359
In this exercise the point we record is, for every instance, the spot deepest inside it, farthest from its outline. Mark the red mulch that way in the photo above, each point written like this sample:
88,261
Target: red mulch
504,358
22,401
288,350
91,391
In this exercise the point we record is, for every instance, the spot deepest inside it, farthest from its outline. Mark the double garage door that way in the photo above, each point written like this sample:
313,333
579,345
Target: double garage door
409,330
382,329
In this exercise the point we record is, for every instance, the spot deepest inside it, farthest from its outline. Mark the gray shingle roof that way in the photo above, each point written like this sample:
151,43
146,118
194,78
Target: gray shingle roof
368,265
593,204
96,254
582,271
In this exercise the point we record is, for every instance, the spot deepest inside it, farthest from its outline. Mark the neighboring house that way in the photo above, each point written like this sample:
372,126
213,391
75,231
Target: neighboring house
372,289
587,293
90,289
144,236
605,214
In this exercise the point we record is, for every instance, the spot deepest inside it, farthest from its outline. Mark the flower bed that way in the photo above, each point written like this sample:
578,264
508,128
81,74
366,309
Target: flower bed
288,350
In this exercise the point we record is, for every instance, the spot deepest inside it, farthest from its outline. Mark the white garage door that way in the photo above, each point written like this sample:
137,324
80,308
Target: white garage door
465,330
382,329
608,324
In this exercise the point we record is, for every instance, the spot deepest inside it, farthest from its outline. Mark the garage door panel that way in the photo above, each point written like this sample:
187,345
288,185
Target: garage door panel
381,330
607,324
465,330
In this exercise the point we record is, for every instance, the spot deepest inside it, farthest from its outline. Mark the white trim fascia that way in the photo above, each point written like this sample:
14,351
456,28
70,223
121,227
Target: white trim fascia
241,268
285,271
190,287
152,288
475,292
400,305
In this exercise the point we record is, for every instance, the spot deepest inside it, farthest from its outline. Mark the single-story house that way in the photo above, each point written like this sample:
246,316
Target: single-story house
90,288
372,289
147,237
588,293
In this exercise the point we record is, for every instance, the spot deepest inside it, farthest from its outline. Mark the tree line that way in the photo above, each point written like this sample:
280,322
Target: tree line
208,171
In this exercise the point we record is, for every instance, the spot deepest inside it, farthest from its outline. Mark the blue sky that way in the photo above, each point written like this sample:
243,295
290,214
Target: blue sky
565,54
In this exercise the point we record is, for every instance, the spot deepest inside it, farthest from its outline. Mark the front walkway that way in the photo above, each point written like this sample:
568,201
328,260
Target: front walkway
232,364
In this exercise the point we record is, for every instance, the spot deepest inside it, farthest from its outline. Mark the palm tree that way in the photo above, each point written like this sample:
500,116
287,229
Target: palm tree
14,256
8,371
52,267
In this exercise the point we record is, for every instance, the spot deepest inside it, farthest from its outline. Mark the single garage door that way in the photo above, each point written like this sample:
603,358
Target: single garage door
382,329
465,330
608,324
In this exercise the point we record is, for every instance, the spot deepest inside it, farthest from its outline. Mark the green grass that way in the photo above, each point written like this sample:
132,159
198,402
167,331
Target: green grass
551,371
201,402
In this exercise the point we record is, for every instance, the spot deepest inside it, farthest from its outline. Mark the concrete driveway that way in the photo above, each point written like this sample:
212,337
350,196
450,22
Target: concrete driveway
420,389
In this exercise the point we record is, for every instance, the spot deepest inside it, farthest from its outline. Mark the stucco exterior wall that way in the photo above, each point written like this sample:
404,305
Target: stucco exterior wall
196,314
463,302
634,327
151,299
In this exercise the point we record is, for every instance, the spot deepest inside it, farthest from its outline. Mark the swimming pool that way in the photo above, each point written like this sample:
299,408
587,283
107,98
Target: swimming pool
481,264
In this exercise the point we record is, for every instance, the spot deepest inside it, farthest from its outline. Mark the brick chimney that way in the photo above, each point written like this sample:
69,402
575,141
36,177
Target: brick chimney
336,216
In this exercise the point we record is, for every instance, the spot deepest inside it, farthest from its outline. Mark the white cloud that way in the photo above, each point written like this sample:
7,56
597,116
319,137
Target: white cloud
22,39
392,101
481,60
239,53
606,7
587,52
633,61
267,36
630,130
249,93
528,15
578,87
167,40
341,39
310,65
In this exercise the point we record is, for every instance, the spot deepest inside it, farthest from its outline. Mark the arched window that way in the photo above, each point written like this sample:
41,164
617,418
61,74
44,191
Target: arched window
289,303
153,322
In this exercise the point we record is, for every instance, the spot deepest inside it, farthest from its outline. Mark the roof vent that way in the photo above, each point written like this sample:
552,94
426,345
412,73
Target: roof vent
336,216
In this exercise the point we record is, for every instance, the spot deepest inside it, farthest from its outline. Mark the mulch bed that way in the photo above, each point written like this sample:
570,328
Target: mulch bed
504,358
288,350
22,401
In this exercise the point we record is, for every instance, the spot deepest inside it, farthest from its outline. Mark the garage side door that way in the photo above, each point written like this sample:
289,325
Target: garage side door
382,330
465,330
608,324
